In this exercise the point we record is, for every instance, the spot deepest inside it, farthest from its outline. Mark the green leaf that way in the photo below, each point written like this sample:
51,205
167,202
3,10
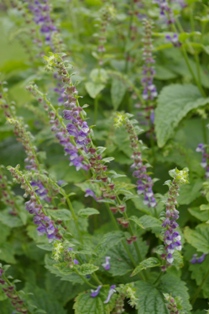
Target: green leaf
197,213
189,192
99,76
174,286
150,299
148,222
5,231
147,263
94,88
85,304
9,220
108,241
88,211
198,238
7,252
174,103
63,290
199,274
118,90
120,261
87,269
60,214
43,300
62,270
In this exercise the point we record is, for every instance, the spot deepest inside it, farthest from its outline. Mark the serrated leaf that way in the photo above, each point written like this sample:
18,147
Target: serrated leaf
118,90
148,222
174,286
174,103
147,263
5,231
94,89
85,304
87,269
62,270
150,299
108,241
198,238
60,214
88,211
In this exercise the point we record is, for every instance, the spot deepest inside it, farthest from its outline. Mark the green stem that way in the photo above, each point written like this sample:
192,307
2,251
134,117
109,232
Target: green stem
96,104
84,279
186,58
129,33
193,299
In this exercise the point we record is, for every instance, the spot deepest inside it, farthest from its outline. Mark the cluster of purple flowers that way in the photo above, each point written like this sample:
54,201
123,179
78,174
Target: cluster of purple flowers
172,238
44,224
165,11
144,183
149,89
198,260
201,148
40,190
41,12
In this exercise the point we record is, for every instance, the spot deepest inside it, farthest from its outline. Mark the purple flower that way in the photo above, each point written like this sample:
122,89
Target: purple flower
106,265
198,260
40,190
95,293
173,39
205,158
41,12
75,261
111,292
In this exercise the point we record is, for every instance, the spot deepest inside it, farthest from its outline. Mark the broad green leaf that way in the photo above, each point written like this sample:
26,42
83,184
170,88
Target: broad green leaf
85,304
150,299
88,211
163,73
197,213
62,270
148,222
120,261
9,220
60,214
7,252
6,307
174,103
174,286
198,238
99,76
5,231
147,263
63,290
87,269
199,274
118,90
43,300
108,241
94,88
189,192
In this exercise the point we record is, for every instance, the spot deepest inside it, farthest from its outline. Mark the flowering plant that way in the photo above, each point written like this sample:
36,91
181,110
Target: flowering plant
104,157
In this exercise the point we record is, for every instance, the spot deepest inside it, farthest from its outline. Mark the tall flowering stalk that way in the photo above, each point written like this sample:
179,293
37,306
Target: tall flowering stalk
144,181
12,294
172,238
201,148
